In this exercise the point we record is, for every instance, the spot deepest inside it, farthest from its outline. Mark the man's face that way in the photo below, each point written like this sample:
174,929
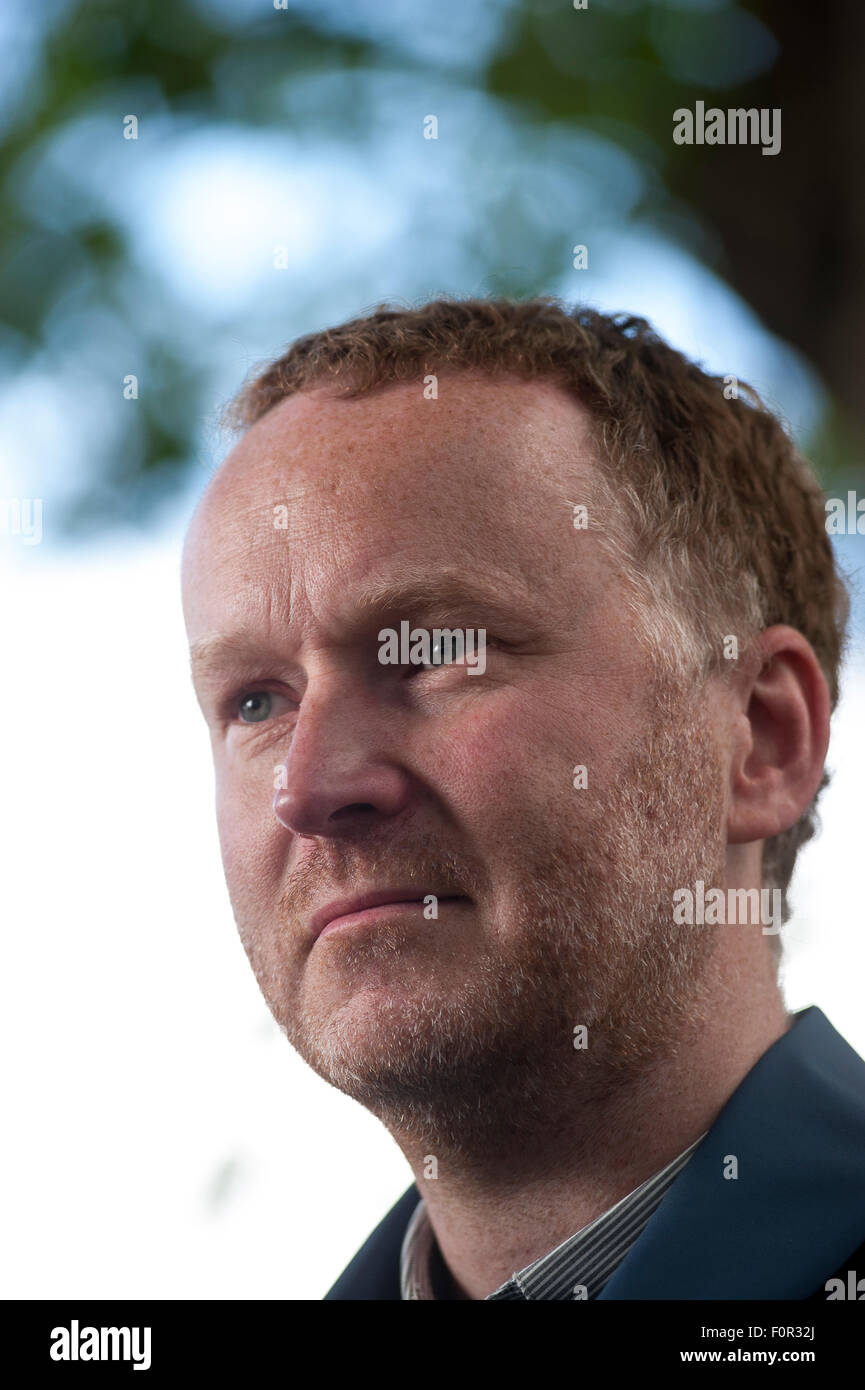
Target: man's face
331,520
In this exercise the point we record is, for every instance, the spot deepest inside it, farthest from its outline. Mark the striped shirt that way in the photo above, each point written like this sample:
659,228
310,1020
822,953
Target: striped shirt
577,1269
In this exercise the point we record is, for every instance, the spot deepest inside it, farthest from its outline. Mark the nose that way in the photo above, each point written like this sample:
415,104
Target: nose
340,773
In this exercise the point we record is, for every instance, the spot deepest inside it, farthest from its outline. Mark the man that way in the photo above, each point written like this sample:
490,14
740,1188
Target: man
518,889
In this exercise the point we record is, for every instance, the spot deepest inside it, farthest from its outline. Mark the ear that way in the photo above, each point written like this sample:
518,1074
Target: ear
782,736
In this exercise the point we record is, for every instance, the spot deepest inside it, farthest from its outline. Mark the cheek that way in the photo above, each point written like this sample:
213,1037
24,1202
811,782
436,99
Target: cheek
495,763
516,764
252,842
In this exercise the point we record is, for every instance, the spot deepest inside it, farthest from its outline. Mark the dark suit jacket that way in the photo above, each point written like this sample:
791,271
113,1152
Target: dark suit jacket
794,1217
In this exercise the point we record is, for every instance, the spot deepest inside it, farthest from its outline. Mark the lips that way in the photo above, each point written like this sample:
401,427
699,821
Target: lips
345,907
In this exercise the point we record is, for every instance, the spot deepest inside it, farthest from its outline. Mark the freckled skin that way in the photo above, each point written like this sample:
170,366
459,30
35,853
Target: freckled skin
377,488
458,1032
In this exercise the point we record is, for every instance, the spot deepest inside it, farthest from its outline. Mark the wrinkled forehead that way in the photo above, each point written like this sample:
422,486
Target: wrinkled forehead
322,493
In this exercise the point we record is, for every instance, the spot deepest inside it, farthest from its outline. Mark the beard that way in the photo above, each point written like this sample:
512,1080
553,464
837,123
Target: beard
475,1060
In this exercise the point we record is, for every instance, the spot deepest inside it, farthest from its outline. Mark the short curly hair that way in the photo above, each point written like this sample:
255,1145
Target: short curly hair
724,519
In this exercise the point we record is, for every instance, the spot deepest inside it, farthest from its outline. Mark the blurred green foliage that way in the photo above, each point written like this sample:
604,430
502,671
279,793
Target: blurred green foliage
78,293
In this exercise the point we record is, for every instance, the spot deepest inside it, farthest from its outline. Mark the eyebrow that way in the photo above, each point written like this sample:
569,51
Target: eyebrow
218,650
443,592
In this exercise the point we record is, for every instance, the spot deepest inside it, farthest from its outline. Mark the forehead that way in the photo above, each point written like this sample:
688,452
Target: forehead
324,497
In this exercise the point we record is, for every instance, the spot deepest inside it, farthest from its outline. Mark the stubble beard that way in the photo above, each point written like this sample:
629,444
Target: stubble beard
590,940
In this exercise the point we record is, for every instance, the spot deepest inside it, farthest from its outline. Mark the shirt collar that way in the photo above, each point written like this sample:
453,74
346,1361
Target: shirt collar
576,1269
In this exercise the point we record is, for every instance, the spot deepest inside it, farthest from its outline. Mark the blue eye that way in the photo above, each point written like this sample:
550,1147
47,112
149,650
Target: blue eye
256,708
445,653
441,654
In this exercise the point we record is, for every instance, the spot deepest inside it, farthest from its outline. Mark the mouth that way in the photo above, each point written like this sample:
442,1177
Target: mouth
363,908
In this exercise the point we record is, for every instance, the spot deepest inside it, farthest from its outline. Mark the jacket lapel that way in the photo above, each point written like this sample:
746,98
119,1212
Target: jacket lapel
796,1127
374,1273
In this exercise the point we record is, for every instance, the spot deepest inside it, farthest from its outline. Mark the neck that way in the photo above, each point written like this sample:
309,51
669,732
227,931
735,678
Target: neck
496,1211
